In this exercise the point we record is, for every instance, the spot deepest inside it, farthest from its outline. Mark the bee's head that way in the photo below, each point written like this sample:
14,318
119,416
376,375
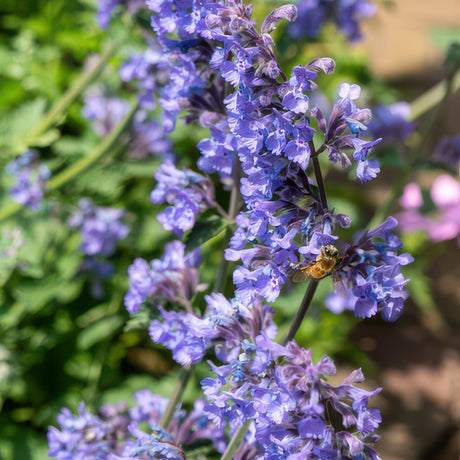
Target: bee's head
330,250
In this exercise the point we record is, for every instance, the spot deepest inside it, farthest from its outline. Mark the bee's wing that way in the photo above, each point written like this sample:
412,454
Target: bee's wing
299,276
301,273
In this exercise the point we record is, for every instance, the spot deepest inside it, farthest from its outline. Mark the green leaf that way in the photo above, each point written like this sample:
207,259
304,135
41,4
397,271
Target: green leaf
205,229
98,332
19,442
73,147
442,38
420,288
17,125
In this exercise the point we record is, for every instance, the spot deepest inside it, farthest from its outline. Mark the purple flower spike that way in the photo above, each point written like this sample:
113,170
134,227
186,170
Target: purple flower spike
114,433
174,277
31,179
371,275
448,151
346,14
100,228
187,192
287,401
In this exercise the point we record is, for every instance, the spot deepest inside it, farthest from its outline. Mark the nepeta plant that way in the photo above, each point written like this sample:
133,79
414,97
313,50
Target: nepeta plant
345,14
212,64
31,178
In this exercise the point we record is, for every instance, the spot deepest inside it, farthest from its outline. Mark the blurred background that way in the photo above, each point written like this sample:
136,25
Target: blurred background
64,332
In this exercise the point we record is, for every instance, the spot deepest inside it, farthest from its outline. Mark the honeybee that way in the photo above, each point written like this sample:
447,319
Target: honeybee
328,258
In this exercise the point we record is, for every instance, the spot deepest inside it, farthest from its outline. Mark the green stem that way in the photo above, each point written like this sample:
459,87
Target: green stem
320,182
302,311
79,86
433,96
236,441
107,145
179,388
221,278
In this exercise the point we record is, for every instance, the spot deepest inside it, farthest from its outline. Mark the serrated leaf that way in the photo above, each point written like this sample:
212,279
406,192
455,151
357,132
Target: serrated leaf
204,229
16,127
73,147
47,138
138,321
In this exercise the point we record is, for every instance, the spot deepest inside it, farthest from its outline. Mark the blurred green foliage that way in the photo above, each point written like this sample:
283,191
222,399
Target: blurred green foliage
58,344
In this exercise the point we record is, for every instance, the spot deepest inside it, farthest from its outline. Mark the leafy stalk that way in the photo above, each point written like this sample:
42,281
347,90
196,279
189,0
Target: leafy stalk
179,388
236,440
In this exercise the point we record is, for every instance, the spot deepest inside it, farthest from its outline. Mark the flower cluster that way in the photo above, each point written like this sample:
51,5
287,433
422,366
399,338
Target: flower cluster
292,404
391,123
101,228
225,326
187,192
146,136
210,61
346,14
447,151
115,433
443,223
31,177
172,278
270,130
371,278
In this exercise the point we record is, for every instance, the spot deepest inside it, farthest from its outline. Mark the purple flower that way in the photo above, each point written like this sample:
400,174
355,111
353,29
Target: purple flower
106,7
448,151
174,277
100,228
371,273
114,433
187,192
88,436
346,123
391,122
287,401
104,112
186,335
346,14
31,177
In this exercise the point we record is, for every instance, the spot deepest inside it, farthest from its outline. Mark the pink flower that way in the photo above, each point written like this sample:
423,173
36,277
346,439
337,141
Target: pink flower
445,191
411,197
444,223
